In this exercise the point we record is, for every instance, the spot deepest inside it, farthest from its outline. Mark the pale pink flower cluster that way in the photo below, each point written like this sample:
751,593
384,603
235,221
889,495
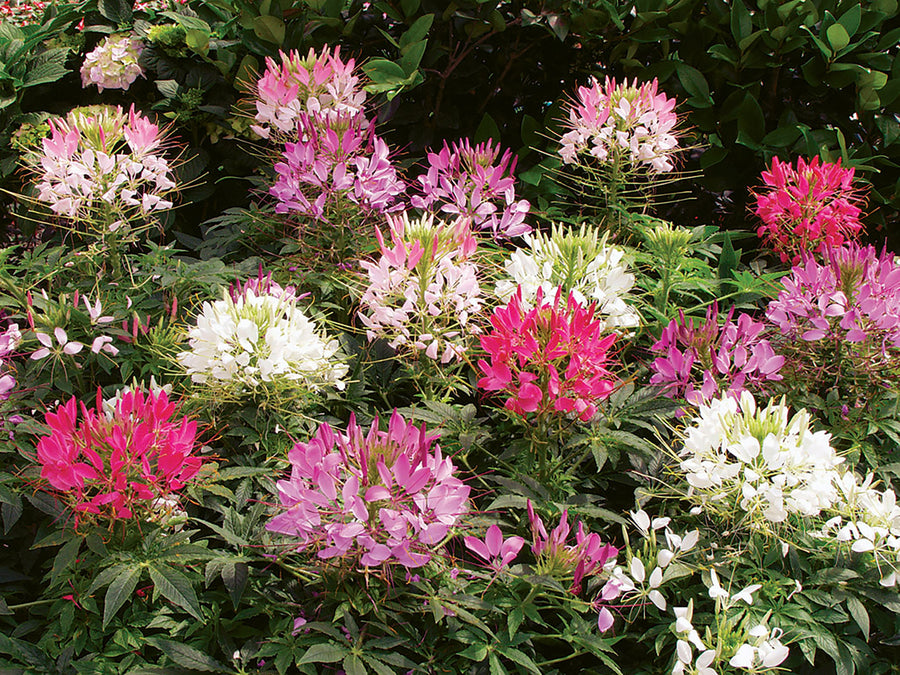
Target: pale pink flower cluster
320,85
114,63
423,291
101,165
616,122
372,498
466,183
10,339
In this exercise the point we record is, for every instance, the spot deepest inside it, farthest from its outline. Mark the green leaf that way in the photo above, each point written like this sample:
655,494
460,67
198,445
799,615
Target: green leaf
521,658
353,665
175,587
487,129
64,558
694,84
741,21
269,28
325,652
234,574
117,11
417,32
410,7
851,18
728,259
119,591
837,36
188,657
412,57
860,615
476,652
47,67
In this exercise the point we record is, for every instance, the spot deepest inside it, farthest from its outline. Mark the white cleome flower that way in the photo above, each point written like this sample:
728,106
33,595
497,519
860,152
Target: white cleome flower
260,338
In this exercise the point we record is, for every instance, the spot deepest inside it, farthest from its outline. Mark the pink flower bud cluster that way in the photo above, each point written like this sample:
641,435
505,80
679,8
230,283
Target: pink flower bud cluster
114,63
551,358
320,86
852,297
471,183
423,291
808,208
699,362
332,165
621,122
100,163
370,499
119,465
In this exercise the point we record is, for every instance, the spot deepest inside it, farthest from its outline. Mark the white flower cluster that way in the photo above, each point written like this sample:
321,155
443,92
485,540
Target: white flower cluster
114,63
763,463
423,292
260,338
763,652
582,264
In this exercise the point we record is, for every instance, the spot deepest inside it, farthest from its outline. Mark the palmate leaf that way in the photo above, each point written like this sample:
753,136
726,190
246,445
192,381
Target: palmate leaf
175,587
119,591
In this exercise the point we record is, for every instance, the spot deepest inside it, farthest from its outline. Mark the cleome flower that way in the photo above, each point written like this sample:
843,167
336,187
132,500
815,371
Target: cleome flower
121,463
582,264
423,292
114,63
808,208
259,337
551,358
466,183
370,498
101,167
618,123
321,86
700,362
758,465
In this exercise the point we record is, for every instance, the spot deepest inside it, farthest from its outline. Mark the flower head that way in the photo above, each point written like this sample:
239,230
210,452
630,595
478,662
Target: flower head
552,357
370,498
114,63
807,208
621,122
465,182
118,465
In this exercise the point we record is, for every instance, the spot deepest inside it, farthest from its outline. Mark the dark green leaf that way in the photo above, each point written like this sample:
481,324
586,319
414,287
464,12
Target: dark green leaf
175,587
269,28
741,21
119,591
326,652
188,657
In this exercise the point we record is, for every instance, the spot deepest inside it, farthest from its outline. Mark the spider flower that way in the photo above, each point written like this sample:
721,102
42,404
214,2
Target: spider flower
621,123
758,465
102,167
582,264
699,362
114,63
471,183
321,86
550,358
423,291
335,163
807,208
260,337
118,465
370,498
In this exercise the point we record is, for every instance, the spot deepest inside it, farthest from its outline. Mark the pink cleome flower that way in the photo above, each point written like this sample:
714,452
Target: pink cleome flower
553,357
808,208
617,122
465,182
119,465
734,356
386,496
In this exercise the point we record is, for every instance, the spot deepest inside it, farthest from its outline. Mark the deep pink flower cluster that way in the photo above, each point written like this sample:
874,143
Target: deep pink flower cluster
467,183
808,208
853,296
334,163
261,284
122,464
616,122
552,357
497,551
555,557
734,356
386,496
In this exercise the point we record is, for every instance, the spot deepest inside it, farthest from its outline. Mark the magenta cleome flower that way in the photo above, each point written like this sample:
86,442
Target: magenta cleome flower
370,499
808,208
497,551
121,465
334,163
698,362
551,358
621,123
465,182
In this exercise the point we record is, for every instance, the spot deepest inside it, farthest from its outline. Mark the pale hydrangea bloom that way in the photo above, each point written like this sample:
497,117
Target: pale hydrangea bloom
260,338
582,264
740,459
114,63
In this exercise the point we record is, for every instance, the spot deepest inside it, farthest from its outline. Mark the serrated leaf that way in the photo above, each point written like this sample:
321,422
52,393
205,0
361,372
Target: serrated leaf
353,665
64,558
325,652
175,587
235,574
50,66
119,591
187,656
